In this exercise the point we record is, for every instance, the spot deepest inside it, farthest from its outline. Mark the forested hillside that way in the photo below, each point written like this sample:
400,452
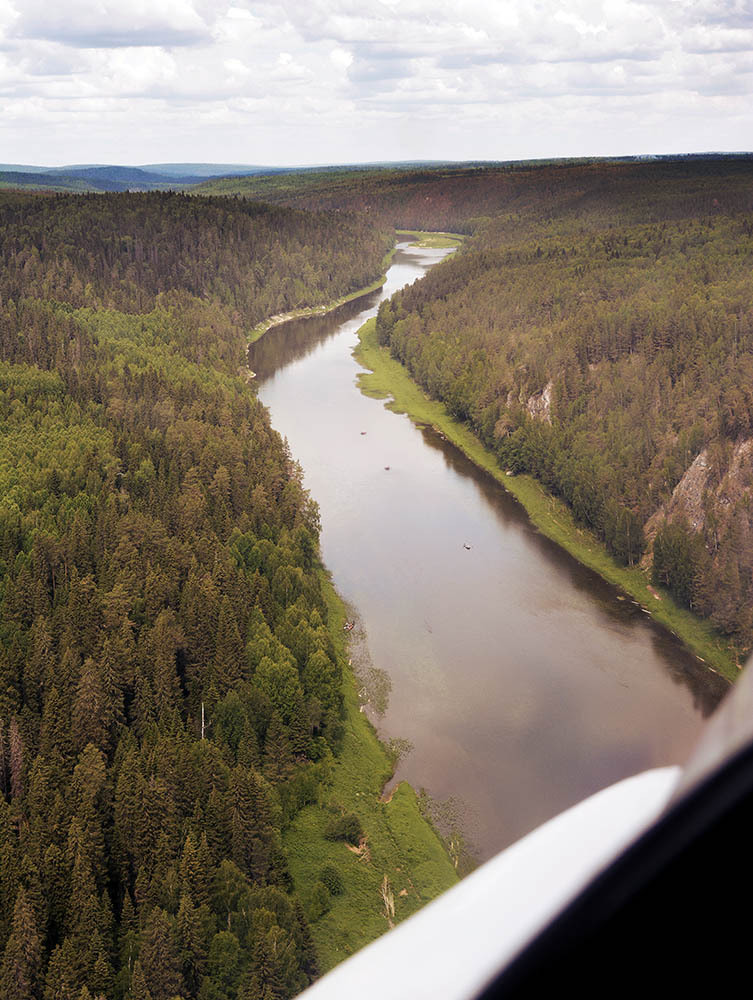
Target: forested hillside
462,198
169,693
598,334
121,252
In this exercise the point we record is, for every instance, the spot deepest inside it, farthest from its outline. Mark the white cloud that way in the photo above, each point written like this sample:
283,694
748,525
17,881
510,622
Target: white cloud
341,58
236,67
319,80
111,23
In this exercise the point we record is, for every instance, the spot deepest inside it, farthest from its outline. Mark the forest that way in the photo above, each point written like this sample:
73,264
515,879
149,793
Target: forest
597,333
170,694
462,198
169,691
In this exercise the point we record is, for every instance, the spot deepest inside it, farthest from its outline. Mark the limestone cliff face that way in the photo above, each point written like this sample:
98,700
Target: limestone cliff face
539,405
716,502
687,498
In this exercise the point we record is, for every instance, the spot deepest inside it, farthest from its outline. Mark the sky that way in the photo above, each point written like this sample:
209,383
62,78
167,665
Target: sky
296,82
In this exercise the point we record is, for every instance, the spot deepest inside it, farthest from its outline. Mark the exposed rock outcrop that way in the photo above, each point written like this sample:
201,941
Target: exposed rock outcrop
700,492
686,500
539,405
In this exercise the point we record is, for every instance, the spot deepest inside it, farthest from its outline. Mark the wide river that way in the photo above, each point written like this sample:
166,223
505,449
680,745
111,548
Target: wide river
523,681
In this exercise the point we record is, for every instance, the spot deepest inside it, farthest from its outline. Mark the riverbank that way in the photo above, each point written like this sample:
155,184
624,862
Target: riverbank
433,241
261,328
400,844
388,378
422,239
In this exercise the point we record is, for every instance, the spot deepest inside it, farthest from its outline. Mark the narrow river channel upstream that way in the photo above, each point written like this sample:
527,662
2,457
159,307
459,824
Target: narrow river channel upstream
522,680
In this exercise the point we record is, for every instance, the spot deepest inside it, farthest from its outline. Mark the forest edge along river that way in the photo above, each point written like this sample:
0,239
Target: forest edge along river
520,680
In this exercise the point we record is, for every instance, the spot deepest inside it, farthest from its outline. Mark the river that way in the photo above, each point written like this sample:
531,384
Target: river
523,681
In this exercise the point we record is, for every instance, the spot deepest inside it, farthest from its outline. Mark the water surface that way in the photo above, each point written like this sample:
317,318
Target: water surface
522,679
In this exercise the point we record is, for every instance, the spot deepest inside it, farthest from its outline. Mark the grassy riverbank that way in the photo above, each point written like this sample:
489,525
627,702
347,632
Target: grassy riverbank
389,378
400,844
435,241
261,328
421,239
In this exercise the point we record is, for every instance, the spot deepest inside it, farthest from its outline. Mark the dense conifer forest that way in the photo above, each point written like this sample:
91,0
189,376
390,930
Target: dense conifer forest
169,693
597,333
462,198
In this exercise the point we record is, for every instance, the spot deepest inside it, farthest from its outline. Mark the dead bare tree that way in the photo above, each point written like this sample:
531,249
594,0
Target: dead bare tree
388,898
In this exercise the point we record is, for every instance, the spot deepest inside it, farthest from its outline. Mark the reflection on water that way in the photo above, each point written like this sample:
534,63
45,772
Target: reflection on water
616,610
297,338
521,678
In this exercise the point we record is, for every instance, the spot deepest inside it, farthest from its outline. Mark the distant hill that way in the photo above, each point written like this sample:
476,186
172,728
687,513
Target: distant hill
42,181
117,178
114,177
22,168
125,175
205,170
179,176
371,186
92,178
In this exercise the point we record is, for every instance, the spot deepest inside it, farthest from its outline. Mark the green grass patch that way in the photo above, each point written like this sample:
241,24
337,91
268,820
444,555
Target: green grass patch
389,378
400,843
435,241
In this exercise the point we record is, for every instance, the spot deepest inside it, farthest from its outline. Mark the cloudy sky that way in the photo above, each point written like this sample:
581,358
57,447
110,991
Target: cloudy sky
332,81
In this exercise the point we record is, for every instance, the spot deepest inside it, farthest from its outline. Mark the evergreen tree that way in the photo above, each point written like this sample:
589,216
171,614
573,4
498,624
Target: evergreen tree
278,759
159,958
22,962
89,709
139,988
229,658
16,760
192,944
62,979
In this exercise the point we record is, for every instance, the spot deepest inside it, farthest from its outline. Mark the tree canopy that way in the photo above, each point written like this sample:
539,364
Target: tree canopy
168,692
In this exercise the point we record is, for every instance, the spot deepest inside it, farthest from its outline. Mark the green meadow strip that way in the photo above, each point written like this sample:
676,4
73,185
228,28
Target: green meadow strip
435,241
400,845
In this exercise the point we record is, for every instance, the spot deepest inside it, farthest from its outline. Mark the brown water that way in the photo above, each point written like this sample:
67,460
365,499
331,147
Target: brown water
522,679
